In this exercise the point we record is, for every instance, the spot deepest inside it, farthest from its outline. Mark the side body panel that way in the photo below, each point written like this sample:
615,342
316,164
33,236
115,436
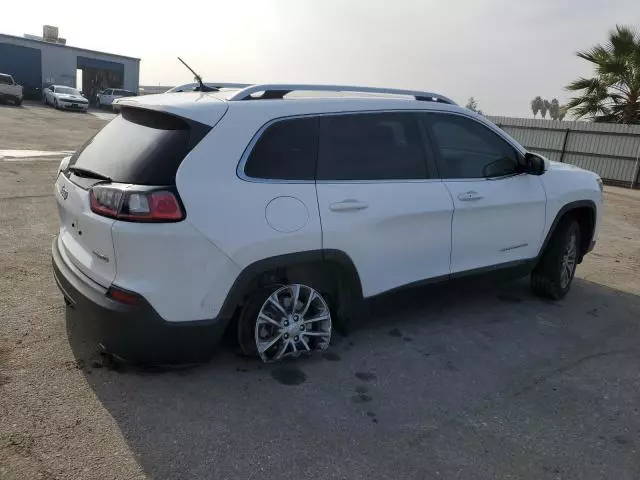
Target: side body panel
403,235
174,267
496,221
247,220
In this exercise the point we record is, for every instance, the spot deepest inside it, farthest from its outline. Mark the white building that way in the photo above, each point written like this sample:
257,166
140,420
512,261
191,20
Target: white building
36,63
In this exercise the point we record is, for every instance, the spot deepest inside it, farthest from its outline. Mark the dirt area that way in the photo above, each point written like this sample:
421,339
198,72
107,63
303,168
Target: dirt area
473,380
36,127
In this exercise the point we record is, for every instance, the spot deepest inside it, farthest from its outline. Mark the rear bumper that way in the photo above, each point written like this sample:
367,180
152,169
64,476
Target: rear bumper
136,333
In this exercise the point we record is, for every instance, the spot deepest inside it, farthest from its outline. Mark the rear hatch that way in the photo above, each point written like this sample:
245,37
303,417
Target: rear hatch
126,169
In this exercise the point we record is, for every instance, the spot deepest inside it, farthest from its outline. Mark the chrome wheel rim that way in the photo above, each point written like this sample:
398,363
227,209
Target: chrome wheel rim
569,261
293,320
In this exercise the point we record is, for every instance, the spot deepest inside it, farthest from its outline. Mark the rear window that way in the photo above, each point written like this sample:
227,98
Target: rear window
142,147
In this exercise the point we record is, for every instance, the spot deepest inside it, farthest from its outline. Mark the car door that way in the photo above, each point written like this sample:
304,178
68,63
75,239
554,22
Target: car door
49,94
107,97
378,200
499,213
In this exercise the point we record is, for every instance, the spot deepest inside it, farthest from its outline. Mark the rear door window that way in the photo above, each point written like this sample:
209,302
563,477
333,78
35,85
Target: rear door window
371,146
286,150
139,146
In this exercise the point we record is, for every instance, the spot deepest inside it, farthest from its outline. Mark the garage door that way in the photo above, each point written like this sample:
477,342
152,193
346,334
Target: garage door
23,63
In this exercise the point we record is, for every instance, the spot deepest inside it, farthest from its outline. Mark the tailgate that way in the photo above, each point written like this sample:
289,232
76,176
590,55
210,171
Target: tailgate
85,236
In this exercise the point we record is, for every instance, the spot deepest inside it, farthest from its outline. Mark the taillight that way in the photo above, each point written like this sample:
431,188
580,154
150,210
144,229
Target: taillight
105,201
135,205
123,296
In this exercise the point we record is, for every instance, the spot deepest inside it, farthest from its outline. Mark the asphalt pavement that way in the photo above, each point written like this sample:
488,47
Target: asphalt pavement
475,379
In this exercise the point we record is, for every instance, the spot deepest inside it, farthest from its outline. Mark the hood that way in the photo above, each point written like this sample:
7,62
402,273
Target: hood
561,166
66,96
553,165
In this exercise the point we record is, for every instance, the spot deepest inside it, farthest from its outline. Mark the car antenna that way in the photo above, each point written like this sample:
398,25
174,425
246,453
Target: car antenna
203,87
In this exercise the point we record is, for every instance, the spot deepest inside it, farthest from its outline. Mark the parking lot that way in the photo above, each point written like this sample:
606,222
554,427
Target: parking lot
470,380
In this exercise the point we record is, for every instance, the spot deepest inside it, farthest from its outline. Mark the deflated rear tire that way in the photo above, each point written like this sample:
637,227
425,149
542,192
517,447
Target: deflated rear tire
284,321
553,275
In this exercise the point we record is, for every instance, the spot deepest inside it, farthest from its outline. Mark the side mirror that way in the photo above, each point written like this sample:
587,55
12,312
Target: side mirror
533,164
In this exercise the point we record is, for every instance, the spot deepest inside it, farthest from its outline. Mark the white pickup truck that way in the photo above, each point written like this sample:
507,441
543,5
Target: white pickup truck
10,90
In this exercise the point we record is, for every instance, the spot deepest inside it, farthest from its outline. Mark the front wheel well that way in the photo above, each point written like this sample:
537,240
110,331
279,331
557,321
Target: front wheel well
585,217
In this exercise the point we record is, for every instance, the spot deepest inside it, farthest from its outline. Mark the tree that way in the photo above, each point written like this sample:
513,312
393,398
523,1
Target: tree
536,105
554,109
613,94
472,105
544,108
562,112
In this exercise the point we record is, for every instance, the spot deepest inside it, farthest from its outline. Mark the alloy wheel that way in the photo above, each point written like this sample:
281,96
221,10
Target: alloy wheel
293,320
568,263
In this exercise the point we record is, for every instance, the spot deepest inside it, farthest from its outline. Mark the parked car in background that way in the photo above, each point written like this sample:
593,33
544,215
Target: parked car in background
190,211
105,97
10,90
62,97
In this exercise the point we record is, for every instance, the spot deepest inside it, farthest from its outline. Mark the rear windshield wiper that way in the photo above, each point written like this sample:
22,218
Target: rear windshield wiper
85,172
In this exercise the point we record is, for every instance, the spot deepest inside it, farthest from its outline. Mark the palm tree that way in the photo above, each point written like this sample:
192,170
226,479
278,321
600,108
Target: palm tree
554,109
613,94
536,105
562,112
543,109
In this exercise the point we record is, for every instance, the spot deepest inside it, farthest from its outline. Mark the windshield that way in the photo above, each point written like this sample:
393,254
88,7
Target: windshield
67,90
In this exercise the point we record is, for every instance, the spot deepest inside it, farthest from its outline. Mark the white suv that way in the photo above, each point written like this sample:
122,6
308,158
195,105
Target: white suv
192,213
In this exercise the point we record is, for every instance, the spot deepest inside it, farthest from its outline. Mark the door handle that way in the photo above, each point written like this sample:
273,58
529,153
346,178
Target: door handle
469,196
347,205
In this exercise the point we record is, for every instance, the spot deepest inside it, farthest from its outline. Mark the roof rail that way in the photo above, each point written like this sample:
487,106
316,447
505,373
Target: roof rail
272,91
227,85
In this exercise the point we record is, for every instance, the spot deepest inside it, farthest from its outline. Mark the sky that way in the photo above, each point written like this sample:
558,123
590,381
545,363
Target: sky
502,52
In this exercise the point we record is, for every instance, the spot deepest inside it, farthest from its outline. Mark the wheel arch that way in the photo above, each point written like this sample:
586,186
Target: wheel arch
312,264
584,211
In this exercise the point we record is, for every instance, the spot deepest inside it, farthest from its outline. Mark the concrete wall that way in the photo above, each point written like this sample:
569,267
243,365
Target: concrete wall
59,62
610,150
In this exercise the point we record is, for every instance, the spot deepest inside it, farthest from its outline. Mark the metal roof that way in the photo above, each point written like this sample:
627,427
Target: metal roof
50,44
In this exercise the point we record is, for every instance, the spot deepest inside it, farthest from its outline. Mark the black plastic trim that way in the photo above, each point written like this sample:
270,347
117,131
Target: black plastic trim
514,269
239,289
561,213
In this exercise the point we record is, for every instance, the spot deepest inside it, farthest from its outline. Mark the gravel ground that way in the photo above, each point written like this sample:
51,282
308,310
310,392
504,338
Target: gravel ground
471,380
